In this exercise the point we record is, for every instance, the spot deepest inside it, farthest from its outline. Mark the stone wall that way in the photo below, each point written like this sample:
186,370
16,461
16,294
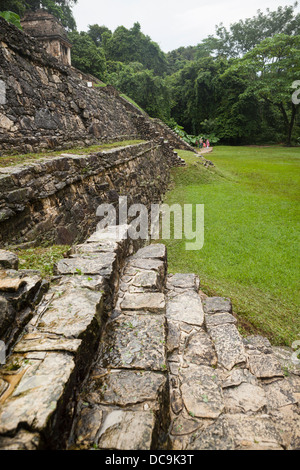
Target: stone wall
56,198
51,106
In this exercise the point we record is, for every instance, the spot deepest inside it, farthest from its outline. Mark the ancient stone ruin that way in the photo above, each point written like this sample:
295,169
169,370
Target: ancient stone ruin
49,32
114,352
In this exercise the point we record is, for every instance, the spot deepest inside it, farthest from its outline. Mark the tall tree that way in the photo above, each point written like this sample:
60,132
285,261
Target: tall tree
86,56
272,67
131,45
99,34
150,92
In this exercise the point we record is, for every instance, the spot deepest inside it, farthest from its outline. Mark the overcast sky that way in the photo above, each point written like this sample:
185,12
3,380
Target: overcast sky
170,23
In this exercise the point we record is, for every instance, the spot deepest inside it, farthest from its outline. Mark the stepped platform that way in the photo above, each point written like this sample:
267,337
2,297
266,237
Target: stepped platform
121,355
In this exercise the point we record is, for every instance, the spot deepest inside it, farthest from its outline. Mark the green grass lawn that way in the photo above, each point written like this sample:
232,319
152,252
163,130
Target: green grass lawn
251,249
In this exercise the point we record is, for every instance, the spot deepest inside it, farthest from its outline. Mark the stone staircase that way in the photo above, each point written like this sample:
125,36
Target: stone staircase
120,355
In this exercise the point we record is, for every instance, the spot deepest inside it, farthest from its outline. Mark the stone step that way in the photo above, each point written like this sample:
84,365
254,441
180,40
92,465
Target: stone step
58,344
119,355
226,392
126,393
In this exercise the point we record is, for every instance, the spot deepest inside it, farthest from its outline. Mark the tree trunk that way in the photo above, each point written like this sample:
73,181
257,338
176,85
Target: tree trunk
289,123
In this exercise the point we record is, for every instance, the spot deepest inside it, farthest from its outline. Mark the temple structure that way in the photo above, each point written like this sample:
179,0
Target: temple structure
50,32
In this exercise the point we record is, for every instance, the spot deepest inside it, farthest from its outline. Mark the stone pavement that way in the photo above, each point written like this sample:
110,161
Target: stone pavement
121,355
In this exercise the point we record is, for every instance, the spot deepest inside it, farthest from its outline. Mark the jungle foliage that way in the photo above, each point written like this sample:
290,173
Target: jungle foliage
236,85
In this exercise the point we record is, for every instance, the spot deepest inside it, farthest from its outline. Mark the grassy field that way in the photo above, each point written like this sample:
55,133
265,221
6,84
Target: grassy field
251,249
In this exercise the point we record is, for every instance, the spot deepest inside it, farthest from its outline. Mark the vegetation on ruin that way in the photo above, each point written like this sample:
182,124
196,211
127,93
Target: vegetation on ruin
41,258
236,84
251,250
27,158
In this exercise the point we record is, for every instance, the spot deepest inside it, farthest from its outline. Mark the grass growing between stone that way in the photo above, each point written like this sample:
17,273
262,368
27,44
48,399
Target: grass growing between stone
251,249
12,160
42,258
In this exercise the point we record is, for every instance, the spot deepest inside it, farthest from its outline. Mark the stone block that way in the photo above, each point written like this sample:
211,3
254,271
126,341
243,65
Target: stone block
37,384
228,344
127,430
217,305
90,264
126,388
8,260
185,308
134,342
201,391
149,302
69,311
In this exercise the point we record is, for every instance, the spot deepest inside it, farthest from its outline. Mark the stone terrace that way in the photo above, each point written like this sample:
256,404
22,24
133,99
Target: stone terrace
120,355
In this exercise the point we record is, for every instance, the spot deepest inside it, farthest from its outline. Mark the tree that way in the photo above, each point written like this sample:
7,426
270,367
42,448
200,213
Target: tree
194,92
150,92
245,35
131,45
86,56
99,34
272,68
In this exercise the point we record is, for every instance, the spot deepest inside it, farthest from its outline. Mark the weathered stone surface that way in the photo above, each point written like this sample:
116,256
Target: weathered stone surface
93,263
126,387
113,233
40,342
8,260
176,401
264,366
245,398
3,386
147,280
149,302
213,305
36,387
287,421
237,377
158,251
201,391
283,393
219,319
9,284
6,315
69,312
253,432
24,440
182,426
185,308
88,426
284,356
134,342
126,430
183,281
215,436
148,264
258,344
199,349
173,337
229,345
100,247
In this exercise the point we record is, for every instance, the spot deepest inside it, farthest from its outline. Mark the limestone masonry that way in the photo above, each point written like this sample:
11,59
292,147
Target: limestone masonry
113,352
